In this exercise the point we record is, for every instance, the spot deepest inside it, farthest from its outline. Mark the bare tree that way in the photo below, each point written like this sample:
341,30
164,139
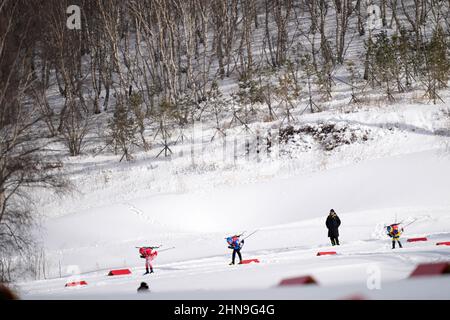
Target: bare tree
75,127
22,163
281,11
344,10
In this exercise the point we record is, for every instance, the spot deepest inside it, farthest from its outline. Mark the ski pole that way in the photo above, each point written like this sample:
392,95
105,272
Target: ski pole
251,234
167,249
411,223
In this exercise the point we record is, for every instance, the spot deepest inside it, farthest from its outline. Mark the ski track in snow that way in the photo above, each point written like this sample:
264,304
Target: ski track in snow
212,272
403,172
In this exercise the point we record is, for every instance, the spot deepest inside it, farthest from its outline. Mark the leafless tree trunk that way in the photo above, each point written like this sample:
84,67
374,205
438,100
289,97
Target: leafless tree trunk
22,164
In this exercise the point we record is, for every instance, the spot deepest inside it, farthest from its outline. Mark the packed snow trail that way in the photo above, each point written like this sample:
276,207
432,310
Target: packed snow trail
350,266
406,185
290,214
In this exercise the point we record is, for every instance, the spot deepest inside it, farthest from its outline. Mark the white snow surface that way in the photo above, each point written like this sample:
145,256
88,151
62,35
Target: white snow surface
402,173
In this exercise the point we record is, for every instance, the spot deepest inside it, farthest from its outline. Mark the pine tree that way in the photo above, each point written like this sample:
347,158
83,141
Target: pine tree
248,95
385,62
217,104
308,68
167,111
437,65
122,132
267,92
406,57
353,77
325,80
136,102
287,92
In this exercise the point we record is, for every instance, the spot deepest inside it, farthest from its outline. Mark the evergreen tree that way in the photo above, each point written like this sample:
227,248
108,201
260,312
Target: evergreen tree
437,65
385,62
136,104
218,105
287,92
406,56
308,68
248,95
122,132
353,80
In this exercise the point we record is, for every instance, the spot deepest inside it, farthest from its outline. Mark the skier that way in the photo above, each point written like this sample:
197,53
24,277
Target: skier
333,222
148,254
394,231
236,245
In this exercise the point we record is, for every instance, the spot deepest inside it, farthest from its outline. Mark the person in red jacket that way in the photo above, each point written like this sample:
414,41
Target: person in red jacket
148,254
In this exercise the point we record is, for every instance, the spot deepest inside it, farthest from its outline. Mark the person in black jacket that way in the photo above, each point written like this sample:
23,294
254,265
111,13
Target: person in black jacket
333,223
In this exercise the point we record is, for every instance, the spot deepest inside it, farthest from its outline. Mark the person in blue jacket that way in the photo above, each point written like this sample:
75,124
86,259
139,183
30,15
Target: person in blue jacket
235,244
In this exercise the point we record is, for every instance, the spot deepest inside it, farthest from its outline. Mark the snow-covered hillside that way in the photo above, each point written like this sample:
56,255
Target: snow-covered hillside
179,123
401,173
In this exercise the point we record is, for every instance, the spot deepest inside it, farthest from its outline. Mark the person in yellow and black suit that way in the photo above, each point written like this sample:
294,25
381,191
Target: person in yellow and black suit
394,231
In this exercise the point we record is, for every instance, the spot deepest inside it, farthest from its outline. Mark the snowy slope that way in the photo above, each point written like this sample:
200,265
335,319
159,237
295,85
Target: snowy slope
291,215
402,172
285,251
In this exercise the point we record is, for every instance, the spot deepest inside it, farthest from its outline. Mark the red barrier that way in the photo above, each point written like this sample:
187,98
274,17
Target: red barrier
431,269
76,283
417,239
249,261
119,272
298,281
326,253
447,243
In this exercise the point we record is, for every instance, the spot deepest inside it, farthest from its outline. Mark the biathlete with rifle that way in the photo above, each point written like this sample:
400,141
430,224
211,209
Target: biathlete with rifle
236,244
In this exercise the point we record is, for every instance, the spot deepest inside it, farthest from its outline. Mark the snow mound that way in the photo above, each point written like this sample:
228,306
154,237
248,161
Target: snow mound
324,135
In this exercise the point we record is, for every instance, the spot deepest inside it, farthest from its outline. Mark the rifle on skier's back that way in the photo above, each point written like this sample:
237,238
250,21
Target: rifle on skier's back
241,241
242,233
236,235
150,247
142,249
402,223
